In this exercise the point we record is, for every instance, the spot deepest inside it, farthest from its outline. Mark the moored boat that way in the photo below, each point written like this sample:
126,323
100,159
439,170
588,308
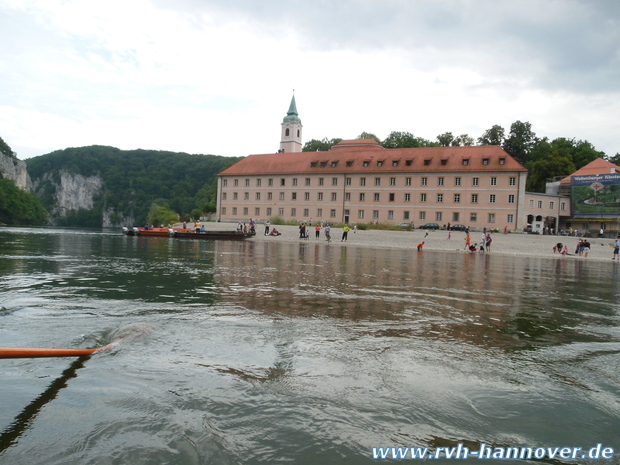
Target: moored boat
210,235
152,232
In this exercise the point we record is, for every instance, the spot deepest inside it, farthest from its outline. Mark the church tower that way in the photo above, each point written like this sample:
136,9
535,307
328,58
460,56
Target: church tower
290,141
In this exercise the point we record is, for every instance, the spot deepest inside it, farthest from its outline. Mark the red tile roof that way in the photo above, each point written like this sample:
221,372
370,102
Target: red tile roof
598,166
367,156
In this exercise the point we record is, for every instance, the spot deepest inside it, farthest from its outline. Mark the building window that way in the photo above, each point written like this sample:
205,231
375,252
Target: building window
280,211
257,211
377,181
319,196
294,181
440,181
332,213
348,181
334,196
457,198
380,163
293,195
307,181
347,196
390,214
473,217
424,181
360,214
392,181
306,212
234,196
444,161
494,181
334,164
321,181
323,164
407,197
223,195
258,196
427,162
223,210
491,218
457,181
540,204
455,216
245,211
225,182
236,183
392,196
465,161
563,206
492,198
247,183
376,197
375,214
422,215
269,195
474,181
366,163
282,181
246,196
474,198
268,211
234,211
531,204
438,216
439,198
319,212
362,197
349,163
405,215
407,181
258,182
306,195
551,205
281,195
313,164
513,181
408,162
422,198
287,132
293,212
362,181
485,161
394,162
502,161
511,198
334,181
347,212
510,218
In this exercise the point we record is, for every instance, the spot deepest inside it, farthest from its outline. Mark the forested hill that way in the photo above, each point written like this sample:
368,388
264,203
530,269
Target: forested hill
105,186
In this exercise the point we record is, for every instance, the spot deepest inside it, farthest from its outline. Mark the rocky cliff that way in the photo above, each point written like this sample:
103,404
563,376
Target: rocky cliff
15,169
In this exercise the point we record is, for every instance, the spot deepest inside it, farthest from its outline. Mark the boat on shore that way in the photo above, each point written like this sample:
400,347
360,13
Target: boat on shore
210,235
151,232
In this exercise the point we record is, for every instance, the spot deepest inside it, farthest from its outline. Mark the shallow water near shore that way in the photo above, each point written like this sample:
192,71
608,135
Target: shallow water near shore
263,352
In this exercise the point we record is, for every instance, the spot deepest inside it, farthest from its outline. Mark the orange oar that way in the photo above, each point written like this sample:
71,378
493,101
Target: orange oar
37,352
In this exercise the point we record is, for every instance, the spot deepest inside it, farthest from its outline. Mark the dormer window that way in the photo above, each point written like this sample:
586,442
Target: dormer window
334,164
323,164
366,162
427,162
380,163
465,161
394,162
502,161
408,162
485,161
349,163
313,164
444,161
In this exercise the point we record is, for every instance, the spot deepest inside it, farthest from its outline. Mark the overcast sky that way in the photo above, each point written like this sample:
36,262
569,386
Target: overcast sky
217,76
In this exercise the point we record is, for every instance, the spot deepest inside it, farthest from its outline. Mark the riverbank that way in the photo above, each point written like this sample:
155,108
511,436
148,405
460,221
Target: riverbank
506,244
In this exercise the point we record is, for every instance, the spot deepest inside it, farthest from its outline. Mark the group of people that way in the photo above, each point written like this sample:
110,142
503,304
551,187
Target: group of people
483,246
582,249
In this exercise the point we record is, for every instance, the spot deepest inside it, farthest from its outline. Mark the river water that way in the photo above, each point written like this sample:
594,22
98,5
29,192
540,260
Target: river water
265,352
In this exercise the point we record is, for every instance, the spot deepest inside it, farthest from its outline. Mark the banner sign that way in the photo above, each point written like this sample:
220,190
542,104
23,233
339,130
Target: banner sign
595,196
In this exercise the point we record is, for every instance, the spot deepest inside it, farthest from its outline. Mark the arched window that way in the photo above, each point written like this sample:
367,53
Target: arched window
287,132
298,133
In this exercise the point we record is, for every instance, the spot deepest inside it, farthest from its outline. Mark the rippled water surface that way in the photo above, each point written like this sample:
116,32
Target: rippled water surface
265,352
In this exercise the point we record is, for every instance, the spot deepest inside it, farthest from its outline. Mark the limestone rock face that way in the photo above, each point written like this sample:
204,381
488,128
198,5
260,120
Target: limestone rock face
15,169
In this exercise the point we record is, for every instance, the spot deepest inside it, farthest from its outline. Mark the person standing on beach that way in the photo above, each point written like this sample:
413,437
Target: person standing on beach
328,232
267,224
616,250
488,242
467,242
585,247
345,233
317,231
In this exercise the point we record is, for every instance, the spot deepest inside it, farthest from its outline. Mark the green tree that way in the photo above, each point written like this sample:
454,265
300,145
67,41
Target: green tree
18,207
161,214
493,136
520,141
548,168
464,140
5,149
400,140
368,135
615,159
445,139
322,145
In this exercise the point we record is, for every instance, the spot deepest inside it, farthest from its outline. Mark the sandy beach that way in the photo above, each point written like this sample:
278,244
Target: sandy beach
506,244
